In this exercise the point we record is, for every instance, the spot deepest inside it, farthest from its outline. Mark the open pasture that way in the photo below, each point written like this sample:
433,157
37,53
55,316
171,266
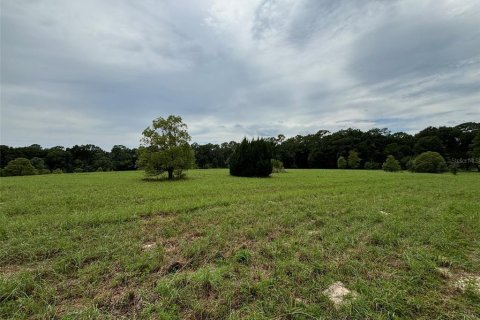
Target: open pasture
110,245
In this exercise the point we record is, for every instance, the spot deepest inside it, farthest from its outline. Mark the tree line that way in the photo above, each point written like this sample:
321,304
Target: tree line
364,149
360,149
79,158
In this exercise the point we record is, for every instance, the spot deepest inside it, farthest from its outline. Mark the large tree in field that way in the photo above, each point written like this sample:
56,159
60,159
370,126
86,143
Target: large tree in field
165,148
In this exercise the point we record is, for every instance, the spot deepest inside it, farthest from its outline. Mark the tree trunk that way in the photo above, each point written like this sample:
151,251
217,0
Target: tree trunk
170,174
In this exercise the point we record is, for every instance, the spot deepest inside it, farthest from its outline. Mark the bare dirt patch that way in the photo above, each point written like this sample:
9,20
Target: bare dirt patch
149,246
466,281
338,294
13,270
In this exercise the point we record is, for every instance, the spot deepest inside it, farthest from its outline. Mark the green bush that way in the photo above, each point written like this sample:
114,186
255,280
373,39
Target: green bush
353,159
453,168
391,164
277,166
19,167
410,165
37,163
57,171
341,163
252,159
430,162
370,165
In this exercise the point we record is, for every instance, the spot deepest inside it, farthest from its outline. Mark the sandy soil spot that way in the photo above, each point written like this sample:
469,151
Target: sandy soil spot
468,280
149,246
338,293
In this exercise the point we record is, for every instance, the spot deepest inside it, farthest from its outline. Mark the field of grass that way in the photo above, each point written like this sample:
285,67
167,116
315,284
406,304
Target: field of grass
110,245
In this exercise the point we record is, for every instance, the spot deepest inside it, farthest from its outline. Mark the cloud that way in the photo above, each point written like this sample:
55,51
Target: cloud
99,72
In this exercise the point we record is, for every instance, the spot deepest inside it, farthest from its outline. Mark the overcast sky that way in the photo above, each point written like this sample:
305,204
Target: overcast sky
77,72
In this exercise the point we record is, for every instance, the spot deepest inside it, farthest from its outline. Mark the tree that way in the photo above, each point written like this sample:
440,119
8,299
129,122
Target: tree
429,143
19,167
165,148
475,148
123,158
353,159
252,159
391,164
341,163
38,163
58,158
430,162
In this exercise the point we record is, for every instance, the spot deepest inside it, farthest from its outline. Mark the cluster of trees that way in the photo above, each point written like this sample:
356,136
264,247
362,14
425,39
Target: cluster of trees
84,158
166,148
213,155
358,149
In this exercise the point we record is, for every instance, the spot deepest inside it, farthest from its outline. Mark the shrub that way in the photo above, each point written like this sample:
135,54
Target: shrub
341,163
453,168
404,162
19,167
57,171
370,165
37,163
410,165
430,162
353,159
252,159
277,166
391,164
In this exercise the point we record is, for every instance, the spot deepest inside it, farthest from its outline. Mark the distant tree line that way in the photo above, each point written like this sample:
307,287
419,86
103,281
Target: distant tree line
358,149
349,148
83,158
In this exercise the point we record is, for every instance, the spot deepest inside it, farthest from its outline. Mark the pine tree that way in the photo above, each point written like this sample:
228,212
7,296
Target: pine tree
252,159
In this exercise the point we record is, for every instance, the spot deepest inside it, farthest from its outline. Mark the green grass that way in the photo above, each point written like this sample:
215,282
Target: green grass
72,246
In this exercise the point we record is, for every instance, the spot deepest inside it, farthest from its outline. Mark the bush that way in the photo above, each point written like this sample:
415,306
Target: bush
277,166
57,171
391,164
369,165
410,165
404,162
19,167
453,168
430,162
37,163
341,163
252,159
353,159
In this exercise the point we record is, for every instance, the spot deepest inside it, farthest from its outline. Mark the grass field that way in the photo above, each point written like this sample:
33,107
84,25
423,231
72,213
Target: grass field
110,245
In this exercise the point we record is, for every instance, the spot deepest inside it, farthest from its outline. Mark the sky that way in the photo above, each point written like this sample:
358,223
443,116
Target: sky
79,72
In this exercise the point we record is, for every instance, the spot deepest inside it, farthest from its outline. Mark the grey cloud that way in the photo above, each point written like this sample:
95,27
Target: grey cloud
415,44
99,72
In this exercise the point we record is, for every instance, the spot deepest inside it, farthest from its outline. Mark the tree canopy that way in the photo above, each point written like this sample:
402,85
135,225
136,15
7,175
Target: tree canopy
165,148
